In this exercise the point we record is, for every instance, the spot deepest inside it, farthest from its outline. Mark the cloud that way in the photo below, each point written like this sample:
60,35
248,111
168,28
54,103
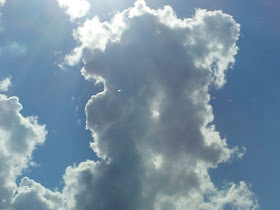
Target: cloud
152,125
31,195
155,137
5,84
19,136
75,8
2,2
13,48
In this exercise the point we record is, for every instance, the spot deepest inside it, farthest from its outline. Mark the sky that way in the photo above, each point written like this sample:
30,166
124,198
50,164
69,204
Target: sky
155,105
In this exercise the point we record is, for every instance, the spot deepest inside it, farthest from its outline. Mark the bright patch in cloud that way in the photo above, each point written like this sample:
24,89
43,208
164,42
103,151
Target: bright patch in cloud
2,2
75,8
5,84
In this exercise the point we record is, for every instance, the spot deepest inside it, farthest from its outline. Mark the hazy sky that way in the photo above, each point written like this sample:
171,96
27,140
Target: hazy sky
149,105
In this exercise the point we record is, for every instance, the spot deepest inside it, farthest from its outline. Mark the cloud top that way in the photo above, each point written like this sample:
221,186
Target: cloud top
5,84
75,8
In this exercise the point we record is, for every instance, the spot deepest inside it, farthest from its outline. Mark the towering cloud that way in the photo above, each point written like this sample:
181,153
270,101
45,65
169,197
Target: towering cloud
19,136
152,124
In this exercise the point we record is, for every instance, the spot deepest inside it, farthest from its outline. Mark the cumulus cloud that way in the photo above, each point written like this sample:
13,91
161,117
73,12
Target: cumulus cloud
75,8
5,84
19,136
32,195
152,124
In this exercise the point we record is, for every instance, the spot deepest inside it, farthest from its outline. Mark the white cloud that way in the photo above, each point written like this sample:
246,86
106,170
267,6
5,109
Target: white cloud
163,65
5,84
31,195
2,2
155,138
75,8
19,136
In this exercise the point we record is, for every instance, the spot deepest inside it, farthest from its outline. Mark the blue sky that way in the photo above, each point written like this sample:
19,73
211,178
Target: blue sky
37,37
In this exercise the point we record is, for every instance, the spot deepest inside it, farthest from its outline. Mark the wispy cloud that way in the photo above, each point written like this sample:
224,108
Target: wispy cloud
13,48
5,84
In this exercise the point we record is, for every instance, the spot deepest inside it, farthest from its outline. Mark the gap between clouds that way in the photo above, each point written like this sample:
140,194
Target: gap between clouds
155,137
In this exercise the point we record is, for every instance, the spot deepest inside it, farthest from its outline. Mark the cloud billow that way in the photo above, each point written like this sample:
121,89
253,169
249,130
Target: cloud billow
19,136
75,8
5,84
152,125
